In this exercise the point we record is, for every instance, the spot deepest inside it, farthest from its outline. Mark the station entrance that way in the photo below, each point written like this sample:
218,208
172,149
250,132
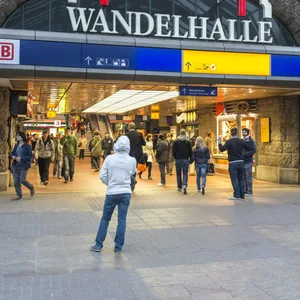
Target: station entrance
154,107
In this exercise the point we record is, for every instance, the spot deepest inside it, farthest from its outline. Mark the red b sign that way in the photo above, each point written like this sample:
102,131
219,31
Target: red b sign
6,51
104,2
10,52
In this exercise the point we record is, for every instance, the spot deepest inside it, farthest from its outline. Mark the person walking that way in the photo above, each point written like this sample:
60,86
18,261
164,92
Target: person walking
248,162
44,154
82,144
208,142
236,148
200,157
162,156
116,173
21,157
96,150
148,149
192,169
59,157
107,145
182,152
70,150
136,143
171,160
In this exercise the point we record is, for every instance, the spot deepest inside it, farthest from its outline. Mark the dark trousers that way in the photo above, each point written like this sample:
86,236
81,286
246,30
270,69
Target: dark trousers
96,162
106,153
162,170
69,166
149,166
182,169
170,165
44,164
20,178
81,154
237,171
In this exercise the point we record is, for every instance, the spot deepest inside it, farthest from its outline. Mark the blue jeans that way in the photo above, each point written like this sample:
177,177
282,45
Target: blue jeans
20,178
182,169
201,173
236,171
248,178
111,201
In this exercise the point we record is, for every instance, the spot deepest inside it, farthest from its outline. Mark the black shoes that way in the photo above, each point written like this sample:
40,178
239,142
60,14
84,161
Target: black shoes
46,182
17,198
140,175
32,192
203,190
184,190
133,185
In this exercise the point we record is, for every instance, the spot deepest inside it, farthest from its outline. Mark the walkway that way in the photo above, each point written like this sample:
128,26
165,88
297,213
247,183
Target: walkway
177,247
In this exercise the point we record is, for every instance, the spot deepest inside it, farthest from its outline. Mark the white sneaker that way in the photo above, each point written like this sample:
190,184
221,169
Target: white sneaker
248,195
233,198
161,184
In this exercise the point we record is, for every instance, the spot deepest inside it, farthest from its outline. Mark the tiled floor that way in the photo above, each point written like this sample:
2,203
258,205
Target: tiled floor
177,247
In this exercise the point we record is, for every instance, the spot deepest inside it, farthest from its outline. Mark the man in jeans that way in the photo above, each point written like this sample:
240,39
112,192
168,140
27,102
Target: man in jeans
116,173
70,150
182,152
236,148
248,162
162,158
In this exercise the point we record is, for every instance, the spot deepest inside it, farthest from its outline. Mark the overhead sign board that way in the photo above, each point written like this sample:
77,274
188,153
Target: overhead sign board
198,91
209,62
9,52
155,116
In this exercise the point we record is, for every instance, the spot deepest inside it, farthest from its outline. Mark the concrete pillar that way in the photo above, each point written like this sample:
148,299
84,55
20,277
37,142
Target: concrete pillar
4,130
278,161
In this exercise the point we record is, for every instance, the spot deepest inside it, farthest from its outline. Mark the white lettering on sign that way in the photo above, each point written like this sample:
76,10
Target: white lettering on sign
166,25
10,52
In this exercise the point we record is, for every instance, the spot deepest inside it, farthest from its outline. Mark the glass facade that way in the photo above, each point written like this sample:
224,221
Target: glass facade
52,15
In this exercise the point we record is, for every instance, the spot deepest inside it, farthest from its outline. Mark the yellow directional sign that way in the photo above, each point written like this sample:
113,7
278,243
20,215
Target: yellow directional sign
155,116
51,114
226,63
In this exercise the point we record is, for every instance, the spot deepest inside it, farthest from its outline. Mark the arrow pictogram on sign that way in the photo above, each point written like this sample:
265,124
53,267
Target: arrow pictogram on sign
188,65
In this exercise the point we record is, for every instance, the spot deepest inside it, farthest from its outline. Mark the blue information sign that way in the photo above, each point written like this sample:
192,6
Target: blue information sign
198,91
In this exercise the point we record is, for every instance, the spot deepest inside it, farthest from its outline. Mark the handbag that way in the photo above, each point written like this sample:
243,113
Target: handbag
142,167
211,168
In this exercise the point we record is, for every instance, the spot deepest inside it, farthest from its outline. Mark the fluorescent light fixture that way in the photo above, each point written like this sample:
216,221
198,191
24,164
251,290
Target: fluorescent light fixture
126,100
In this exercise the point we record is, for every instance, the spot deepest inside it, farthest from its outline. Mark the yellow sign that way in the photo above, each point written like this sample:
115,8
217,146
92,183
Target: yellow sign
265,130
155,107
226,63
51,105
51,114
155,116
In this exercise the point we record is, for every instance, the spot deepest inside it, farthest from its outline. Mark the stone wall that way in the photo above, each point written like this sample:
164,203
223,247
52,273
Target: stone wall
278,160
4,130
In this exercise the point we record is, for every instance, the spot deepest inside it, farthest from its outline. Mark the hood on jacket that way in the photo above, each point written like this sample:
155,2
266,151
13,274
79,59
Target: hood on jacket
182,138
122,144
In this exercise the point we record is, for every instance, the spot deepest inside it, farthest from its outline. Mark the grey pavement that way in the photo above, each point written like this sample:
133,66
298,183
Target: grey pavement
177,247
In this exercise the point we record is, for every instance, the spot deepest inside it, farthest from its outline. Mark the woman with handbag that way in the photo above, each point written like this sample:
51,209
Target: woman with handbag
201,157
148,150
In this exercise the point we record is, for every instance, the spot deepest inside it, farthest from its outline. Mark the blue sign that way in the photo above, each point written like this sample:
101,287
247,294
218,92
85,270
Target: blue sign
108,57
285,65
75,55
198,91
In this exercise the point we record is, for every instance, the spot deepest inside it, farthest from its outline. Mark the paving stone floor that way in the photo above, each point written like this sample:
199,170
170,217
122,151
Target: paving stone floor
177,247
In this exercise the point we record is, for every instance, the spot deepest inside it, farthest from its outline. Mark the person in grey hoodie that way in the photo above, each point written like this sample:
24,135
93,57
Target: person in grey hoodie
116,173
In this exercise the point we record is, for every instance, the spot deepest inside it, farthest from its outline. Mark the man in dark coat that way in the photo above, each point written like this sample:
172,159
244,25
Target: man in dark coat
136,143
162,155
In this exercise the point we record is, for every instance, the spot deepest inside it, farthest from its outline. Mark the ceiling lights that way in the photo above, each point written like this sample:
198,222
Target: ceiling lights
126,100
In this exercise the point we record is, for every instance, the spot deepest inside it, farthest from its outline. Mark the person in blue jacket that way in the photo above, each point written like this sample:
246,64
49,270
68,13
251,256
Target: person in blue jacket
21,157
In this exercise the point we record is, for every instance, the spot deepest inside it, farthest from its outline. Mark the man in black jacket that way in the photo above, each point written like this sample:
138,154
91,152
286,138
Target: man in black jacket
107,145
248,162
236,148
182,152
162,156
136,142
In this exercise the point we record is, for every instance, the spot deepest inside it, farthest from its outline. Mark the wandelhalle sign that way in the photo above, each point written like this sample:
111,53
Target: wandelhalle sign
165,25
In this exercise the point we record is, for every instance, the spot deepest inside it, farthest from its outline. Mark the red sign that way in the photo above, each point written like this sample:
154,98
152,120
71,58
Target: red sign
6,51
242,8
220,108
104,2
